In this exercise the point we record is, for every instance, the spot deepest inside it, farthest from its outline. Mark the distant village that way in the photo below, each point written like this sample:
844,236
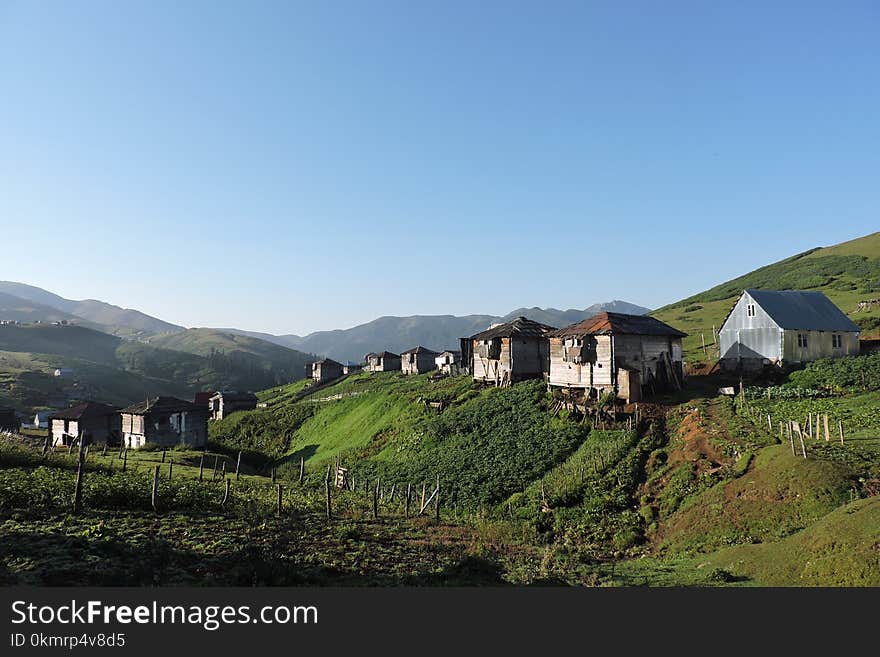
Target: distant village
629,357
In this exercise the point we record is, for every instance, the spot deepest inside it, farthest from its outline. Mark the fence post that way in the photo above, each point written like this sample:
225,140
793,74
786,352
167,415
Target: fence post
201,466
327,491
437,501
170,469
163,455
376,501
840,429
77,491
279,500
125,460
408,496
155,496
226,491
238,465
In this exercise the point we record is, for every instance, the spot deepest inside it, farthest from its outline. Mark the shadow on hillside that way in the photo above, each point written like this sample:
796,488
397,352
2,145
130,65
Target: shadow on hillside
305,453
43,559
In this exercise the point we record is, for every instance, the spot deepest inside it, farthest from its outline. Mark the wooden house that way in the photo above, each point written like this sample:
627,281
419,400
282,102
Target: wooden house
448,362
383,362
325,370
511,352
8,419
614,352
350,367
417,360
89,422
223,404
780,327
164,421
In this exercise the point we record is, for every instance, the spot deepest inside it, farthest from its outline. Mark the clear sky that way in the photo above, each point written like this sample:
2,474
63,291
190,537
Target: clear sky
291,167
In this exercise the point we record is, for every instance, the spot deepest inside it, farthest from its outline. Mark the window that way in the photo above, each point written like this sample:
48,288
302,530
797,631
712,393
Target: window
802,340
750,310
836,341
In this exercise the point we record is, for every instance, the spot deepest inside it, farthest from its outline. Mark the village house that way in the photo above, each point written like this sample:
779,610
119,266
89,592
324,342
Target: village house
223,404
351,368
448,361
618,353
325,370
164,421
781,327
511,352
383,362
8,419
203,398
89,422
417,360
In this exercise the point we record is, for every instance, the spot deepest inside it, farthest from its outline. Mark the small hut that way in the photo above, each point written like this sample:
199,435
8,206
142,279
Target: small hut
325,370
448,362
383,362
165,421
223,404
89,422
417,360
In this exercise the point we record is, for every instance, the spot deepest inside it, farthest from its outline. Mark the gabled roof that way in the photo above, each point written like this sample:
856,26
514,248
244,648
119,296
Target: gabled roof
84,411
452,352
419,350
162,405
203,397
619,324
805,310
385,354
520,327
325,361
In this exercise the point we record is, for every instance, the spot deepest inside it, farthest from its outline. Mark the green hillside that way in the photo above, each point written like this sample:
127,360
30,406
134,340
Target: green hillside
847,273
234,353
107,368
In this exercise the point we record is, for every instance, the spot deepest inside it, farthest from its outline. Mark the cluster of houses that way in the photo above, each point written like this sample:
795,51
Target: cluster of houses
164,421
627,356
631,355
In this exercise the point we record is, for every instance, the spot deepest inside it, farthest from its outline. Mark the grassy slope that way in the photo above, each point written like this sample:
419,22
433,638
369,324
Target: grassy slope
847,273
113,370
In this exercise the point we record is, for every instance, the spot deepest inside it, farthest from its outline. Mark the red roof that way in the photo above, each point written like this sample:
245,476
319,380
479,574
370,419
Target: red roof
619,323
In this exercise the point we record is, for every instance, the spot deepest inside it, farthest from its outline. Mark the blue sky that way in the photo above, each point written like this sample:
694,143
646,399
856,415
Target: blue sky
291,167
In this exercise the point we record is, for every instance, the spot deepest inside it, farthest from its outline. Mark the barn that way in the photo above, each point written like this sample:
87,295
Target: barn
784,327
89,422
417,360
511,352
615,352
448,362
384,361
8,419
165,421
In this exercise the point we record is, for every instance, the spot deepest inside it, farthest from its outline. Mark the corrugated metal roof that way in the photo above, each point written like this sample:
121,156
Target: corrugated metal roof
519,327
619,323
84,410
799,309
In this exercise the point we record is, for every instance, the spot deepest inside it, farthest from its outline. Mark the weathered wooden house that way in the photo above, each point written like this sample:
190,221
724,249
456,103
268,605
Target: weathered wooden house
780,327
614,352
325,370
511,352
165,421
223,404
383,362
8,419
417,360
448,362
89,422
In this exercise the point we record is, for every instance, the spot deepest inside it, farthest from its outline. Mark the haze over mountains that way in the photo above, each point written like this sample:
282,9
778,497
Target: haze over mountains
27,303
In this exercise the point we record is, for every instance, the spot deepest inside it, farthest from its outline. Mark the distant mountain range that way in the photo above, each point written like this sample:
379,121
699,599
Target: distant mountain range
434,331
28,304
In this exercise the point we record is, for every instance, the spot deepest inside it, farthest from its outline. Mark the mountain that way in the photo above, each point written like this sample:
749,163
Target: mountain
847,273
111,319
246,352
110,369
434,331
